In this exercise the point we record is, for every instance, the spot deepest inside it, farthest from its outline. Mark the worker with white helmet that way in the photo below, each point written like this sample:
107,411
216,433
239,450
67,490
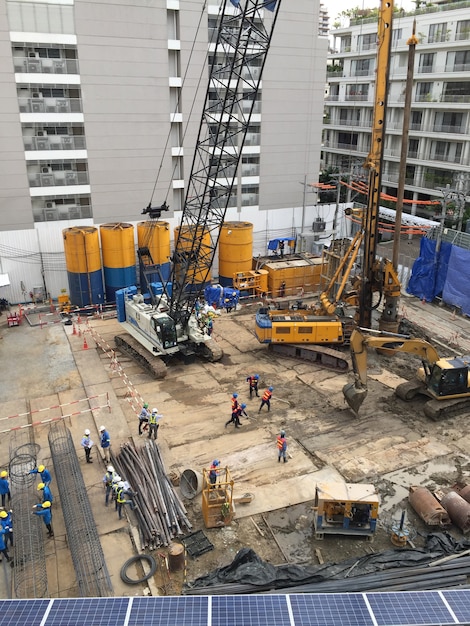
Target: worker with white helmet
87,445
154,420
105,443
122,490
108,482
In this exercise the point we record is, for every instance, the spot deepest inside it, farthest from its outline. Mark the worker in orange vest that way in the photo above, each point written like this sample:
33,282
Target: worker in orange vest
253,384
282,446
266,399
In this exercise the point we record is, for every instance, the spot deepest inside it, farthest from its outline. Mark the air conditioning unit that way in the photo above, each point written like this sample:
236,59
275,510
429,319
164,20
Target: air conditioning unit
50,205
319,225
41,133
47,181
42,144
51,215
46,170
36,95
38,107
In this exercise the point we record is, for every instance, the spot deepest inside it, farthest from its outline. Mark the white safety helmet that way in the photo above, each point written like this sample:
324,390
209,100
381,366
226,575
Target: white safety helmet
121,484
110,468
116,478
154,410
87,432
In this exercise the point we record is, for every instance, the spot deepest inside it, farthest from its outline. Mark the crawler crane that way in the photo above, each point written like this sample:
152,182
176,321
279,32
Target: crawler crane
168,324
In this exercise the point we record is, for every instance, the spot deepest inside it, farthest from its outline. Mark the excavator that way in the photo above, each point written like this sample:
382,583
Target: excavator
445,381
169,324
308,334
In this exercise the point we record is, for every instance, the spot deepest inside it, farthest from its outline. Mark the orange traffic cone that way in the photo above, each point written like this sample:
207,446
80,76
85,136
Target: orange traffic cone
85,345
74,332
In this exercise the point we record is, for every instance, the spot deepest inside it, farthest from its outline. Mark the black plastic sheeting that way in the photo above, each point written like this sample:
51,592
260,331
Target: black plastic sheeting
249,570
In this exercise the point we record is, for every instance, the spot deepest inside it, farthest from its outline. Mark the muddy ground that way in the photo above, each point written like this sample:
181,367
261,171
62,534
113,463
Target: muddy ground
391,444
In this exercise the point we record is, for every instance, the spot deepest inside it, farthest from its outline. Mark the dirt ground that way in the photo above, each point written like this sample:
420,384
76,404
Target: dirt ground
391,444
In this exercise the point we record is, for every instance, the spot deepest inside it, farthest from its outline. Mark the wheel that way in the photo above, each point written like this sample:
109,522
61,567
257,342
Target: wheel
140,557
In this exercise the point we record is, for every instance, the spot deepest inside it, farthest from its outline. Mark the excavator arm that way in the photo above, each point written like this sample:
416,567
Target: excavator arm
355,393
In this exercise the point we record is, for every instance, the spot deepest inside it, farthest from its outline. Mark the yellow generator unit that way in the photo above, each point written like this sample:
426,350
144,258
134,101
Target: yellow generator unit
345,509
254,281
297,327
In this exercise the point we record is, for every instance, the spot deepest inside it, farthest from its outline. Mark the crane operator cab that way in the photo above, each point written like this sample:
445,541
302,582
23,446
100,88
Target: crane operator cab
165,329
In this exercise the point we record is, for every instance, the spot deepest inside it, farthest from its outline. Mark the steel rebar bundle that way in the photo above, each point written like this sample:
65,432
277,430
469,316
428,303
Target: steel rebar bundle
30,576
160,513
87,554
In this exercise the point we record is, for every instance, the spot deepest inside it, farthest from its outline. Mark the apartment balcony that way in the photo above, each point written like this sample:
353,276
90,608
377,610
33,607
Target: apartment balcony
455,98
54,142
250,170
54,211
57,178
250,199
36,65
445,158
252,139
38,104
357,97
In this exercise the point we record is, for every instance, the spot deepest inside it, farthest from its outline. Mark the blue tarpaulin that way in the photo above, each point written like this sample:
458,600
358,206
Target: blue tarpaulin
456,290
273,244
429,272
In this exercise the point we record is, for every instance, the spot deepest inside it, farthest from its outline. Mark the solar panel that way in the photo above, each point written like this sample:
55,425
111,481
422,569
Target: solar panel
410,607
88,611
169,611
16,612
330,609
253,610
459,603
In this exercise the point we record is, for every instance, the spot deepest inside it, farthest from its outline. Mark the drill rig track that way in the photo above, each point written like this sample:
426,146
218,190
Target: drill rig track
321,355
153,365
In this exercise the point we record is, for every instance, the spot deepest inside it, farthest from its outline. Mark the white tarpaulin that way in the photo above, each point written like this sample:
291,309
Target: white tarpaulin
4,280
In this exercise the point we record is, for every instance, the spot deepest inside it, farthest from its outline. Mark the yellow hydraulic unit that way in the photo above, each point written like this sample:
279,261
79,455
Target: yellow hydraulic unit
217,499
254,281
345,509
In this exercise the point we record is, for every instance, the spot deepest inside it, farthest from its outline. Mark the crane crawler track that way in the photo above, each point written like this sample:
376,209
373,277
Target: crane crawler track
320,355
152,364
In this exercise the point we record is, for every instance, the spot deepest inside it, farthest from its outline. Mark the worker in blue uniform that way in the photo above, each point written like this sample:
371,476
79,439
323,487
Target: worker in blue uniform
6,522
44,511
4,488
46,493
45,474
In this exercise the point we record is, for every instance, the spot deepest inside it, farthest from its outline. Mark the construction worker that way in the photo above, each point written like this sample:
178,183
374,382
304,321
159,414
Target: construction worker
105,443
6,522
236,416
253,385
45,474
114,488
281,248
154,419
121,491
46,493
214,472
234,401
108,482
144,418
266,398
4,487
44,511
282,446
3,546
87,445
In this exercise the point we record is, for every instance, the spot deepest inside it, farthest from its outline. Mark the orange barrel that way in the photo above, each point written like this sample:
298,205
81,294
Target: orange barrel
156,237
235,250
83,262
184,238
118,251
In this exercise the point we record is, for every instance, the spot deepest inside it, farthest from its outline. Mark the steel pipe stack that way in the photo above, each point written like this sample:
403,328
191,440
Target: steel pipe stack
160,513
82,535
30,580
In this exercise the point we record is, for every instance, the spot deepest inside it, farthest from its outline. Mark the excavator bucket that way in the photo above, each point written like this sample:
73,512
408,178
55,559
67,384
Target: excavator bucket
354,396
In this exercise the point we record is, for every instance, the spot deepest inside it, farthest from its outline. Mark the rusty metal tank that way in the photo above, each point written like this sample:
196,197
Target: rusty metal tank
465,493
428,507
458,509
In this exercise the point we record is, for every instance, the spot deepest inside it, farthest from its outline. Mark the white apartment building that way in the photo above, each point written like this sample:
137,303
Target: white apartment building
438,152
100,107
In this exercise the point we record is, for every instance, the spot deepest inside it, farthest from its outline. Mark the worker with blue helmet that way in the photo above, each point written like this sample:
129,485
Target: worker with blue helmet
266,398
253,385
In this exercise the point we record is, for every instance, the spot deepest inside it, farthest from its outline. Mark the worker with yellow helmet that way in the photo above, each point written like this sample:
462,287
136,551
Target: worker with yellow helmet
6,522
4,487
44,473
46,493
44,511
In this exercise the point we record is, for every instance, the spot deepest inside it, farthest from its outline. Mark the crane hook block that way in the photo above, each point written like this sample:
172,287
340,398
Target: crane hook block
155,211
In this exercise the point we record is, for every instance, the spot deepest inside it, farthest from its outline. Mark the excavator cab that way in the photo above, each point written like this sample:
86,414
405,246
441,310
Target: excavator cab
450,380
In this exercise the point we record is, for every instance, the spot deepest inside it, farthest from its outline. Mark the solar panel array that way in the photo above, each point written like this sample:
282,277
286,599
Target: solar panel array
423,608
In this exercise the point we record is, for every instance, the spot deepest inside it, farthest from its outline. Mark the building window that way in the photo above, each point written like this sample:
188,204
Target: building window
462,61
423,92
362,67
448,122
368,42
463,30
416,120
438,33
456,92
357,92
426,63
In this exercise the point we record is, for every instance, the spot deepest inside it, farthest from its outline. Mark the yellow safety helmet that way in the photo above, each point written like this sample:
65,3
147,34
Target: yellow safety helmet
46,504
41,486
3,514
4,474
41,468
